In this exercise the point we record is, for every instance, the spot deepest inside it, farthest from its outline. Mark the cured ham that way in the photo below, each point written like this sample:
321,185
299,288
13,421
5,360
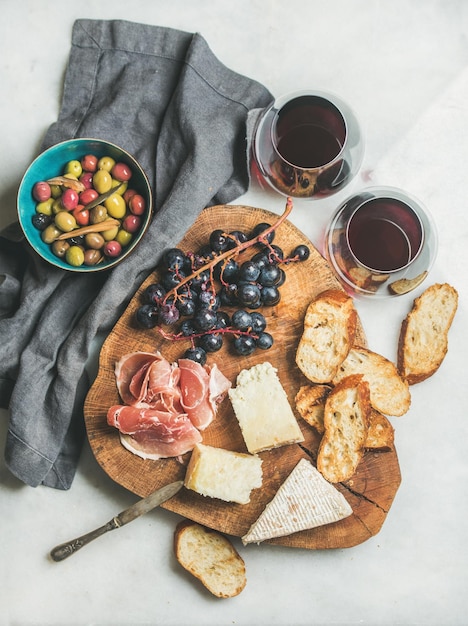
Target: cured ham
201,389
139,374
153,434
164,405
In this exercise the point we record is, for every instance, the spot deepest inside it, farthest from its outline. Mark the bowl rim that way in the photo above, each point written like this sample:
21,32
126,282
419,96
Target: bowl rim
56,261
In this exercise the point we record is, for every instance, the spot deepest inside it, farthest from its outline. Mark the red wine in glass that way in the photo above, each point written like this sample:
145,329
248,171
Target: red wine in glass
381,242
308,145
384,235
309,132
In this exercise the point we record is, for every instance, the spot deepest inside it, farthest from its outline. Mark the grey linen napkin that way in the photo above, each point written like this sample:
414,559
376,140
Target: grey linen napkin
162,95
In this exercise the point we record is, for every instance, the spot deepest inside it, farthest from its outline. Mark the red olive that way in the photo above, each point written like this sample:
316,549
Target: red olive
112,248
137,204
87,179
69,199
41,191
81,215
89,163
121,171
131,223
87,196
128,194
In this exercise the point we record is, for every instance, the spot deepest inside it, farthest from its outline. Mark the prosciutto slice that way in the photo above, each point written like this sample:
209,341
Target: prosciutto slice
135,371
164,405
201,390
153,434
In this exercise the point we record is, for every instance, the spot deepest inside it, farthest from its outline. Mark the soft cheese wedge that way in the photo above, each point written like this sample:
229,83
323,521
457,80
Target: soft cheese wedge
263,410
223,474
305,500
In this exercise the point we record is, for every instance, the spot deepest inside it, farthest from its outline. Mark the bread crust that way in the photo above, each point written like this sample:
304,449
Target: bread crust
346,422
381,434
423,340
389,392
328,334
310,404
211,558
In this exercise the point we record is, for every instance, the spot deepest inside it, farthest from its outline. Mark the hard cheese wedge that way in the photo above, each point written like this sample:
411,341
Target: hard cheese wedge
263,410
223,474
305,500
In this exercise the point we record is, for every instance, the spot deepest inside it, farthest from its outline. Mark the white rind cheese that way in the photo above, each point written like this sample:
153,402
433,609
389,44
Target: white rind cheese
262,409
223,474
305,500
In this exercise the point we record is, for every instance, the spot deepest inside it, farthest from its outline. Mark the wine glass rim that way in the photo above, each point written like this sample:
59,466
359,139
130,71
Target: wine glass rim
408,204
286,99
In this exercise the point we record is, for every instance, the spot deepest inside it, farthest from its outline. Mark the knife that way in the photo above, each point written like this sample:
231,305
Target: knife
139,508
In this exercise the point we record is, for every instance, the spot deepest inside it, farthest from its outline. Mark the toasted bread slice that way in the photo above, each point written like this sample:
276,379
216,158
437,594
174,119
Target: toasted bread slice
423,341
210,556
328,334
381,434
346,421
310,404
389,393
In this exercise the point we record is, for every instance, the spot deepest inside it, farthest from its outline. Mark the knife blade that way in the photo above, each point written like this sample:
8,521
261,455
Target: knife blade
141,507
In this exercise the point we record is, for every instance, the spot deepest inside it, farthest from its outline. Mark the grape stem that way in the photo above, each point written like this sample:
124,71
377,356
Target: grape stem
213,331
261,238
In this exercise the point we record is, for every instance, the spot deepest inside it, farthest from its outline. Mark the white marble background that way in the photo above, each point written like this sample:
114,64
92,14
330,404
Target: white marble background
403,65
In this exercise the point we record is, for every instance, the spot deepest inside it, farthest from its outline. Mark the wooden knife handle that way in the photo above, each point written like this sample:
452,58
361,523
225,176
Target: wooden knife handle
65,550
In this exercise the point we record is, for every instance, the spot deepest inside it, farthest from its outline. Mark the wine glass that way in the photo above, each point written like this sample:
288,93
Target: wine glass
381,242
308,144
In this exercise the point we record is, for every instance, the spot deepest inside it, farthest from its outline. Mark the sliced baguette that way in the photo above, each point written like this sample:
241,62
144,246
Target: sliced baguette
423,341
310,404
380,434
328,334
346,421
210,556
389,392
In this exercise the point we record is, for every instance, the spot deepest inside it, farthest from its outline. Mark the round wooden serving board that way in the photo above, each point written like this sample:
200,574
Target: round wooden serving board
371,490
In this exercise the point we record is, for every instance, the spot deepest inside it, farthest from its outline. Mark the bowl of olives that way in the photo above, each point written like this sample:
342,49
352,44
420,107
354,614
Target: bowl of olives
84,204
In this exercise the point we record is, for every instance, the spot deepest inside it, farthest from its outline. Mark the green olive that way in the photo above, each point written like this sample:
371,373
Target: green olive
98,214
60,247
123,237
56,191
45,207
106,163
57,205
73,167
110,234
115,206
65,221
94,241
121,187
50,233
75,256
91,257
102,181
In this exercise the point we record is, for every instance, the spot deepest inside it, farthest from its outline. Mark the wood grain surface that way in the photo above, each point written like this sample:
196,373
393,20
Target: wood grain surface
371,490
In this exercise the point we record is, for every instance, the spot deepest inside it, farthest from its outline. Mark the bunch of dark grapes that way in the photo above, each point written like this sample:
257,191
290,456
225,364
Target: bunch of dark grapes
195,288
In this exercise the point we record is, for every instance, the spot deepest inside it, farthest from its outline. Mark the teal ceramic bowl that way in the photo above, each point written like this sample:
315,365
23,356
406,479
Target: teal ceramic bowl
51,163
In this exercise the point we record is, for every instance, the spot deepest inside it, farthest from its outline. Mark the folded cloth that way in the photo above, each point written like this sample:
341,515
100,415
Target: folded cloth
163,96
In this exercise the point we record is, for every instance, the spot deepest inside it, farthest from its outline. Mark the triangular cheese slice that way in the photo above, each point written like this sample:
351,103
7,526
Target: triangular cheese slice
305,500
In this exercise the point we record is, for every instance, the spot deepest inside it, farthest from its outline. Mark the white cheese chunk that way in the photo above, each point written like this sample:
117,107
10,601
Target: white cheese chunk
223,474
305,500
263,410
